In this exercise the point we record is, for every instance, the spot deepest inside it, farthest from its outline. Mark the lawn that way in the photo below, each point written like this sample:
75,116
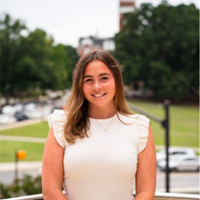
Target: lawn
184,131
34,151
36,130
184,124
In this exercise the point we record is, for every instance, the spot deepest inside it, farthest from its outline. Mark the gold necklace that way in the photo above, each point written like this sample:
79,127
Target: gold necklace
106,129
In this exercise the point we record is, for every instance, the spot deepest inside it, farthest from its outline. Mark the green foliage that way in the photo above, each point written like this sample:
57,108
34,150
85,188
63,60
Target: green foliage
160,45
32,63
10,37
23,187
64,59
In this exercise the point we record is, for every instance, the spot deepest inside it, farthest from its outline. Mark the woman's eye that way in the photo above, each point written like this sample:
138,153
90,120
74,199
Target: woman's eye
88,80
104,78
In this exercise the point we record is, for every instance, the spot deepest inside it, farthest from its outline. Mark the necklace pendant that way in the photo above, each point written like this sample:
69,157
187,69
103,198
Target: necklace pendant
105,129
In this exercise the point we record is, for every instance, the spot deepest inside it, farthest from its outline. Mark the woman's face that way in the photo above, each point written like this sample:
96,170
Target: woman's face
99,85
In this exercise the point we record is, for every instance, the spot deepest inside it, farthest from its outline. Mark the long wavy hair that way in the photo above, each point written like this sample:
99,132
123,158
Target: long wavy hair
76,109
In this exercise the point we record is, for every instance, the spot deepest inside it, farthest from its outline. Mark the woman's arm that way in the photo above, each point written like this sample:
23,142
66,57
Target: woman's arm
52,169
146,171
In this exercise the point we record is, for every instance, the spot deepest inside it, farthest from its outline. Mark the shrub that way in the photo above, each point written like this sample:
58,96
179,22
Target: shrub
26,186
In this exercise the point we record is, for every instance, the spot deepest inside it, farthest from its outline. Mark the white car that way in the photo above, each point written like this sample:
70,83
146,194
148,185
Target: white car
6,119
181,151
180,163
32,111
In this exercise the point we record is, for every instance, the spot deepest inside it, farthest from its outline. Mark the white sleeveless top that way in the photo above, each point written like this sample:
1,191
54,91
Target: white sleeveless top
103,165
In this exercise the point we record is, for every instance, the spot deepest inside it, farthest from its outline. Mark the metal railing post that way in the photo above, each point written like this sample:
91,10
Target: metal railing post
16,168
166,125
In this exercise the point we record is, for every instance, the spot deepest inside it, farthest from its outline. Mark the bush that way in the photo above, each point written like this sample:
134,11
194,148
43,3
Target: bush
22,187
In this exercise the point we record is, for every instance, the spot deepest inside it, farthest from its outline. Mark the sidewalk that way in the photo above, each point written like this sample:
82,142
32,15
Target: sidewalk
181,190
22,139
22,166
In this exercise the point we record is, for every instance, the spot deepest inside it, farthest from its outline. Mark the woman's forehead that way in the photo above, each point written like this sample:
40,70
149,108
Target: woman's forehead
96,67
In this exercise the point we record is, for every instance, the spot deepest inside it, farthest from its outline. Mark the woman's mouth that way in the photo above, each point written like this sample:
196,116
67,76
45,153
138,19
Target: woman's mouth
98,95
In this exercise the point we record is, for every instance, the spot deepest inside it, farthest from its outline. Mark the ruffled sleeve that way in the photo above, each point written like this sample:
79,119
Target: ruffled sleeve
57,120
142,125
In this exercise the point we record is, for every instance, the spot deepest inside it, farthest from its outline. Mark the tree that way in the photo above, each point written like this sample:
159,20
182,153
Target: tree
10,34
64,59
159,45
73,57
33,68
33,62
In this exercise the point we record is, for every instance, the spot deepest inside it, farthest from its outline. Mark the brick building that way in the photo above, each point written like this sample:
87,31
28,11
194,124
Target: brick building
125,6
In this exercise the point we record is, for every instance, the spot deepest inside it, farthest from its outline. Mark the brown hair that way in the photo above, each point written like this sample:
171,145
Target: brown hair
76,108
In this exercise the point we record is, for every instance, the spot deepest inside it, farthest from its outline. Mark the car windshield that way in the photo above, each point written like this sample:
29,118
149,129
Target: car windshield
179,158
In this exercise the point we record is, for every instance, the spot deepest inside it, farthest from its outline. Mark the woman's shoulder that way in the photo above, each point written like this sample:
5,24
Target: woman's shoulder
58,115
134,118
57,120
141,124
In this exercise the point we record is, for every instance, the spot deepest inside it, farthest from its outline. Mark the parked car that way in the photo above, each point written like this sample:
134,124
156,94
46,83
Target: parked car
20,116
8,110
6,119
181,151
180,163
32,111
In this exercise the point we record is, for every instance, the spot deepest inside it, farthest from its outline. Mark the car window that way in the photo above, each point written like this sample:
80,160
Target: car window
190,159
179,153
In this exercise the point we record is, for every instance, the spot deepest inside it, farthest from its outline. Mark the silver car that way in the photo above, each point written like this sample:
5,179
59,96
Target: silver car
173,151
180,163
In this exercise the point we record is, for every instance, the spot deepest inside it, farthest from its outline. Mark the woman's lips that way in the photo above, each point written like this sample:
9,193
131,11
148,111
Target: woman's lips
98,95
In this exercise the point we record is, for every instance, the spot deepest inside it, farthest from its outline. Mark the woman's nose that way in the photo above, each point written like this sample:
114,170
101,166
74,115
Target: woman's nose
97,85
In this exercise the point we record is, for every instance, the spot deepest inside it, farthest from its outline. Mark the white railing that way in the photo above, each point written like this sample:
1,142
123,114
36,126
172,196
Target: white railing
158,196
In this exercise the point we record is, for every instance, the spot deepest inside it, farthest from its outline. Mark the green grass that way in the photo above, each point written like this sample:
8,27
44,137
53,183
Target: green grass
34,151
184,131
35,130
184,124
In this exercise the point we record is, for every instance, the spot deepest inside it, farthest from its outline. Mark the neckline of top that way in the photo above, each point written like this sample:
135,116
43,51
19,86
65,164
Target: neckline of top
103,119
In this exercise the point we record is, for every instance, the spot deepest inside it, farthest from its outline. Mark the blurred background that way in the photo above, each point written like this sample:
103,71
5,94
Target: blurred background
157,45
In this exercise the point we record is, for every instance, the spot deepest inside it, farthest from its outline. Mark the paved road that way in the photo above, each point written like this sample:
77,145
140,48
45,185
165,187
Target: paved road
7,178
7,170
180,182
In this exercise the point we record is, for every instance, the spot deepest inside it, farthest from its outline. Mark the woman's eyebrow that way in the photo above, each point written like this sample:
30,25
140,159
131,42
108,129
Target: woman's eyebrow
90,76
87,76
103,74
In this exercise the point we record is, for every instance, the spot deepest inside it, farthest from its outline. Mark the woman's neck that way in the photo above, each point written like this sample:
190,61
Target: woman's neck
101,113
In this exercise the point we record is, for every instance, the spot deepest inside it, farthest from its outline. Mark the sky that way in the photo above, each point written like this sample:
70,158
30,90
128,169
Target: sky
69,20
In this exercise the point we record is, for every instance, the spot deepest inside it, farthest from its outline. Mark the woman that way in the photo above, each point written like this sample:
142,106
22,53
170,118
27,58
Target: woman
96,149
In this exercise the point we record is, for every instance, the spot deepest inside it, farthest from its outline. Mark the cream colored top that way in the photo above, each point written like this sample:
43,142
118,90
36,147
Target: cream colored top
103,165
